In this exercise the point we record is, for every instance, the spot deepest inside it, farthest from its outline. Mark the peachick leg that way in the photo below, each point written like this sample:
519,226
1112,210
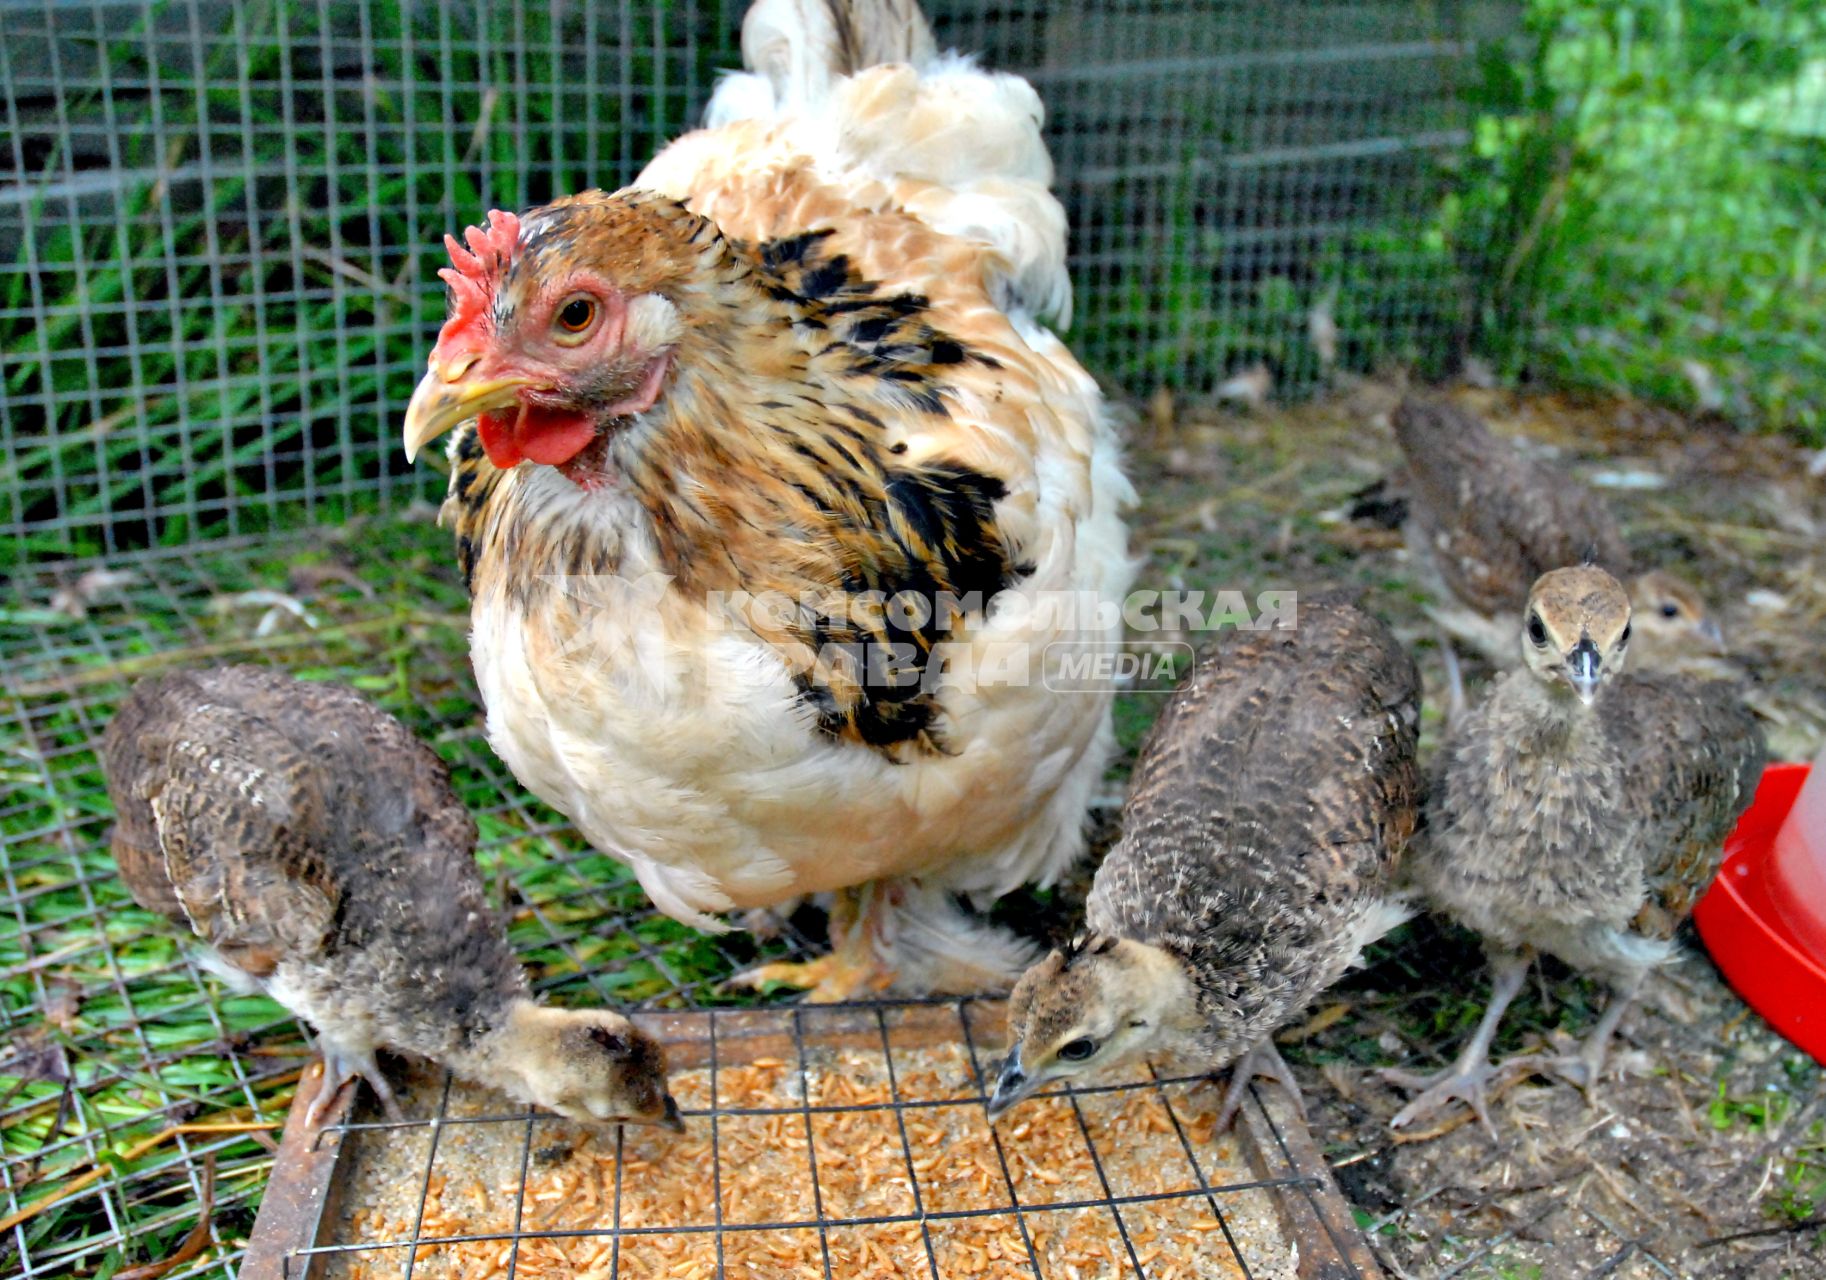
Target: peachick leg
1455,680
1585,1067
1264,1060
1468,1079
341,1065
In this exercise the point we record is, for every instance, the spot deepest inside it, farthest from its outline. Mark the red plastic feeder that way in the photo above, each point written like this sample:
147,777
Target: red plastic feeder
1764,919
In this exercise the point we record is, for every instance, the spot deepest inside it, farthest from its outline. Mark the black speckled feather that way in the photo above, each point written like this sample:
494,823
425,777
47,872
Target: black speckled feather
811,499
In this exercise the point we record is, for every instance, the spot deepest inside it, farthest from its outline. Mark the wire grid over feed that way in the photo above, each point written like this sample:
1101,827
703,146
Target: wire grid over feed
823,1140
220,223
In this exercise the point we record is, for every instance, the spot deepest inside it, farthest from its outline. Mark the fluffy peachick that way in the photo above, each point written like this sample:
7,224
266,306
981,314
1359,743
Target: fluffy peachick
1577,811
1268,811
316,847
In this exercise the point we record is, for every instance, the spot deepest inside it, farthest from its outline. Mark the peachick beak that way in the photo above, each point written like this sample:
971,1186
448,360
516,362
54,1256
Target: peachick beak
444,399
1585,668
672,1119
1713,634
1011,1085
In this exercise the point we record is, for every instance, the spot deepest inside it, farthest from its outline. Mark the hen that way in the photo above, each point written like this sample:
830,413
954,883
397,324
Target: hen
744,452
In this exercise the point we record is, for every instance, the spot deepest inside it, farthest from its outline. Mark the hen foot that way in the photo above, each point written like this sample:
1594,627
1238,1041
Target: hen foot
853,969
830,979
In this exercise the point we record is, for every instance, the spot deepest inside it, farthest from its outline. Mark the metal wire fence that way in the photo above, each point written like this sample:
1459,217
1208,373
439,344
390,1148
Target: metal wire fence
219,235
217,253
218,238
142,1100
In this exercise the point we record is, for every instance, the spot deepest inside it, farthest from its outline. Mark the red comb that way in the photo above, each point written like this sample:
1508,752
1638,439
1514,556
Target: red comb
473,270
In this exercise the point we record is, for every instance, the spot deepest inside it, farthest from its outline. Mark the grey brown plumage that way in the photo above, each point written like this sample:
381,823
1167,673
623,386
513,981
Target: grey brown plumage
1277,789
1483,521
1267,814
1580,811
1490,519
316,846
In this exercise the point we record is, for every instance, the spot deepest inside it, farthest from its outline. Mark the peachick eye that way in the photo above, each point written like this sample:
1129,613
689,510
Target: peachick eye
1624,638
577,315
1078,1050
1537,630
1670,610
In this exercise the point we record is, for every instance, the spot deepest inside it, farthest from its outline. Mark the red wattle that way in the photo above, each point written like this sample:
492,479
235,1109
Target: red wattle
497,435
550,437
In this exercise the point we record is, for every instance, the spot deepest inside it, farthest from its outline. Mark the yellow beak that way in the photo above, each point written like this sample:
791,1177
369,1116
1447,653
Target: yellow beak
443,399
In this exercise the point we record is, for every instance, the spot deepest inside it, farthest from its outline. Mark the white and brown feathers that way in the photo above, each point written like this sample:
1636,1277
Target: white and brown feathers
860,401
1483,521
316,847
1268,812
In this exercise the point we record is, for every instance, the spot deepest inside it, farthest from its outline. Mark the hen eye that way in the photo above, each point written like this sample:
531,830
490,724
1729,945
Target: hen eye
577,315
1670,610
1078,1050
1537,631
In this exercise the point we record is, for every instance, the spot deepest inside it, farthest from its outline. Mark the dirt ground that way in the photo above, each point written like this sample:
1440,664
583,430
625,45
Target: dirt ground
1704,1154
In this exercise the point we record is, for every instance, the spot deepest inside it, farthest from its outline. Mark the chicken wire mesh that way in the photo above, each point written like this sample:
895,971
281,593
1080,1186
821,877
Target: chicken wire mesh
139,1073
219,238
143,1100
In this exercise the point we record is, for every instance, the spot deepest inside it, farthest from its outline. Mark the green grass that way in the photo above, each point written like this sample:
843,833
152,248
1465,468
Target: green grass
1797,1197
1644,200
144,1045
1801,1196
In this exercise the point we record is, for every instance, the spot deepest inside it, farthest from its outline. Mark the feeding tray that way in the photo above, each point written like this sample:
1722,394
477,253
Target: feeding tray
839,1141
1764,919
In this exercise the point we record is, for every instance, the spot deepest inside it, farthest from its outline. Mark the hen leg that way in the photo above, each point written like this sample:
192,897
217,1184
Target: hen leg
1468,1079
1264,1060
341,1065
854,967
1585,1067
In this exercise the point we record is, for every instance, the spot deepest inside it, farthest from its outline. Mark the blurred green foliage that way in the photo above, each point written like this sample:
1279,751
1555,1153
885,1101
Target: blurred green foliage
1641,211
